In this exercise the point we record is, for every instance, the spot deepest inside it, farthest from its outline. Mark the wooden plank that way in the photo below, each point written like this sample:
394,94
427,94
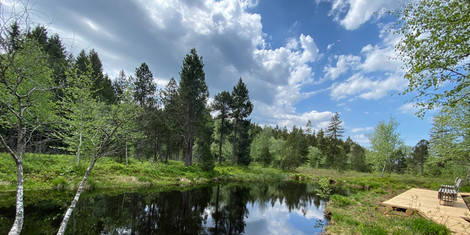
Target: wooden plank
426,203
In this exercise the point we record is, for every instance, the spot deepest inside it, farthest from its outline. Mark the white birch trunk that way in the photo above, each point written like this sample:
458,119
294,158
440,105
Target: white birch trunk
72,206
19,217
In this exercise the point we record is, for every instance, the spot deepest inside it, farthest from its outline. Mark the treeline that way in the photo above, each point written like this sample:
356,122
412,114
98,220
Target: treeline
82,111
91,114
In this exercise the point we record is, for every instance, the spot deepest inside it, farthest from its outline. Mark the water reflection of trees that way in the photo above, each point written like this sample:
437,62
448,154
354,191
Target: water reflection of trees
222,209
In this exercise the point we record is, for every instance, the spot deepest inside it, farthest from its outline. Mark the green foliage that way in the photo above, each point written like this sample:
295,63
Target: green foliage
434,49
27,78
59,183
325,189
265,157
373,229
426,227
314,156
341,201
295,150
241,108
193,93
144,86
384,142
450,136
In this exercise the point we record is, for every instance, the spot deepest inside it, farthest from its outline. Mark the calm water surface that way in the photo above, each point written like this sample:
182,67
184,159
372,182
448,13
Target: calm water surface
285,208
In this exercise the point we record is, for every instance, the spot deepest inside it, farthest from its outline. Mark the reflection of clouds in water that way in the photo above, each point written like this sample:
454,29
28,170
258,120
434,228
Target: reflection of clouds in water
266,219
278,219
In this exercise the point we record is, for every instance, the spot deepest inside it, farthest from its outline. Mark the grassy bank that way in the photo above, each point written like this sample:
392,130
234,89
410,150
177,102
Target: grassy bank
362,213
357,213
61,172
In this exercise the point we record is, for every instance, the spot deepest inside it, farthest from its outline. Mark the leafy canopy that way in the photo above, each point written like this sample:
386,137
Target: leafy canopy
435,49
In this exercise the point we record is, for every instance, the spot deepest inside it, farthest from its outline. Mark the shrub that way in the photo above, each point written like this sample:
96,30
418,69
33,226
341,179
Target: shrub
324,190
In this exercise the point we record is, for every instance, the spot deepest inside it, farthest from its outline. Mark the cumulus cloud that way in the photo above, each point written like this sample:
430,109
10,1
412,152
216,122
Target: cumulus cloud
233,45
343,65
408,108
365,83
367,88
351,14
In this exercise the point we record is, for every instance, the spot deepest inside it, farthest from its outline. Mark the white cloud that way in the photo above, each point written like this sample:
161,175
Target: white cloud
343,65
364,83
226,33
383,56
361,139
367,88
362,129
351,14
408,108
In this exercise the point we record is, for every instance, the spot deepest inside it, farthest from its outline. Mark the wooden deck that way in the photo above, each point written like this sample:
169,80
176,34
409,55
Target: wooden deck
425,202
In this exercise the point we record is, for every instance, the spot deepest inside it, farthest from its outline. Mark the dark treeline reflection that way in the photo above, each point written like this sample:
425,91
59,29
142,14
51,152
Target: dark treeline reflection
221,209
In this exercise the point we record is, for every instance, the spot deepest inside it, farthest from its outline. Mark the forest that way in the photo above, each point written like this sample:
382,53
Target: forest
76,108
54,102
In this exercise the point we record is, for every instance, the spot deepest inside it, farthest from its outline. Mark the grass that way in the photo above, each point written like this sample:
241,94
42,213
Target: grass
61,172
359,212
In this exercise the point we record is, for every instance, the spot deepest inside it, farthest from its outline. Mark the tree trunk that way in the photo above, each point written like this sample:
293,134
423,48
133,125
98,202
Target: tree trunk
188,152
18,157
234,142
220,141
155,155
72,206
383,170
468,175
19,217
78,148
127,159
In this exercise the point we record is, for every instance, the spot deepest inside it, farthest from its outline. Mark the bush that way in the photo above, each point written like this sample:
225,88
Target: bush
324,190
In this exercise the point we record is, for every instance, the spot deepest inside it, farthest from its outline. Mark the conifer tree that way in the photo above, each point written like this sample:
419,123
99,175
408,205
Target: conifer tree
193,94
222,103
241,109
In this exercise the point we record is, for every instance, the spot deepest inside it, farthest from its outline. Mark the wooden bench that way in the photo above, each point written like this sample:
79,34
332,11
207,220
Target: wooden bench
448,193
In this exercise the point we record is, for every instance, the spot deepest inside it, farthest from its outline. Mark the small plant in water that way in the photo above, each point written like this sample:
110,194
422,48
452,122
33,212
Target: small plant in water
324,190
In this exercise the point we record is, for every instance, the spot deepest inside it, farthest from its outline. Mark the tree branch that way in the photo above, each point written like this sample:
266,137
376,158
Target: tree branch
8,148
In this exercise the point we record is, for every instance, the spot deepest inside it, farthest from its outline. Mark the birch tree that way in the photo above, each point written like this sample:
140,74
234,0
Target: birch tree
25,101
385,141
435,50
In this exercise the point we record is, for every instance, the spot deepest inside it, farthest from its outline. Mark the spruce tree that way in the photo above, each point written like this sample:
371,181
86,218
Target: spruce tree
144,85
334,132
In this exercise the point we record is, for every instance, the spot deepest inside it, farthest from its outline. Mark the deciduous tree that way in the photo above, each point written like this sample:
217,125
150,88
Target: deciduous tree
25,101
435,50
385,141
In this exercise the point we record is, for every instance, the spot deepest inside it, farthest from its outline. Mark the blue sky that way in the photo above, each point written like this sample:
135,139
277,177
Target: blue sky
301,60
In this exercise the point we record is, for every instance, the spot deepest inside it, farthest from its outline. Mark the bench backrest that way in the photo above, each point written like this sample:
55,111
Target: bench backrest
458,184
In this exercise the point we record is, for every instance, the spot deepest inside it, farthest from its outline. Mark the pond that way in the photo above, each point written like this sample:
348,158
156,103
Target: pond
276,208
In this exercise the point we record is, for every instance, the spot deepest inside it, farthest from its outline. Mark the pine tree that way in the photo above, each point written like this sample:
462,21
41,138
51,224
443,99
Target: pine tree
172,118
193,93
241,109
222,103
